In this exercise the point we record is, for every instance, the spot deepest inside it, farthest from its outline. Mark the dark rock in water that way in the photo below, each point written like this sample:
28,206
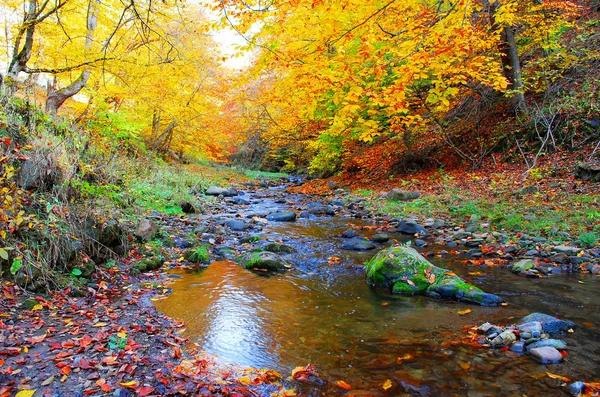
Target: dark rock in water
265,260
402,195
550,325
349,233
175,276
321,210
523,265
187,207
146,229
358,244
337,203
420,243
408,273
282,217
546,355
226,252
452,244
239,200
235,225
411,228
381,238
219,191
279,248
474,253
576,388
250,239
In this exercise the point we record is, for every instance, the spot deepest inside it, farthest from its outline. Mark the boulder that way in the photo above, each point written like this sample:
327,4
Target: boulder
524,265
568,250
219,191
550,325
111,234
546,355
38,173
265,260
588,171
358,244
187,207
240,200
282,217
407,272
349,233
555,343
402,195
236,225
411,228
146,229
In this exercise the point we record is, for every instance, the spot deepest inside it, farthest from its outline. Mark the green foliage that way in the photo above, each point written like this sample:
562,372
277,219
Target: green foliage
116,342
198,255
589,239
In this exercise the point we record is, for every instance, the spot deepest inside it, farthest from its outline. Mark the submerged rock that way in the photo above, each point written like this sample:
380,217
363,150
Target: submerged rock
411,228
282,217
265,260
408,273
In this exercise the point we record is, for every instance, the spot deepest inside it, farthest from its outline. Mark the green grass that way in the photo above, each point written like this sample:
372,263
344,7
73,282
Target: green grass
504,214
255,174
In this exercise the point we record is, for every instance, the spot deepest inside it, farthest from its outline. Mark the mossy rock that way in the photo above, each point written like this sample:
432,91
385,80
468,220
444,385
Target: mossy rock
279,248
148,264
266,261
407,272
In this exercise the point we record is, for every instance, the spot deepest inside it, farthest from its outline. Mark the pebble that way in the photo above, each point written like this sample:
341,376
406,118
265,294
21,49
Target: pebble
576,388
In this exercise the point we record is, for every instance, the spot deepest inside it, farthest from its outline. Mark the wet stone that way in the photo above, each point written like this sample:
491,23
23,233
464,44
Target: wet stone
349,233
555,343
381,238
546,355
518,347
576,388
484,328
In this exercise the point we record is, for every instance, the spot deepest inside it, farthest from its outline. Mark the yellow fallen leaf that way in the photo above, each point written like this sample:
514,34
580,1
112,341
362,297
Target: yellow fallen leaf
387,385
465,366
26,393
344,385
122,334
244,380
554,376
100,325
463,312
129,385
504,304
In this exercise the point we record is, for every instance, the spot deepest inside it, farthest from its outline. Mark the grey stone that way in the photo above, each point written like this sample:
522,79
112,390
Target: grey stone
550,325
239,200
518,347
381,238
282,217
402,195
358,244
236,225
146,229
411,228
546,355
484,328
321,210
219,191
568,250
555,343
505,338
349,233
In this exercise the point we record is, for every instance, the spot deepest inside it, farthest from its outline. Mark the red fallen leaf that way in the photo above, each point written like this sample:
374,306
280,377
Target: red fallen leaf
85,341
103,385
505,348
66,370
84,364
144,390
110,360
564,353
62,355
10,351
1,363
36,339
54,346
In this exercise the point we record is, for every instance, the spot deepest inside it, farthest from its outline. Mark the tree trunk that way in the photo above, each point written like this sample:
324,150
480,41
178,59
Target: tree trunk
57,97
509,56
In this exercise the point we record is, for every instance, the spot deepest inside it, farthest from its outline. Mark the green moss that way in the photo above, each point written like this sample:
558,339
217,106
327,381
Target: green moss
420,282
401,288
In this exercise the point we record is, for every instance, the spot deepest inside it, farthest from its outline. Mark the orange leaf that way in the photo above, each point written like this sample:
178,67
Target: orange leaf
344,385
65,370
463,312
144,390
555,376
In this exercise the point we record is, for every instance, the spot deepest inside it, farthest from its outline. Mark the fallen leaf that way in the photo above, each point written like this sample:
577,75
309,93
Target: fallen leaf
144,391
555,376
100,325
26,393
47,381
37,307
465,366
344,385
463,312
129,385
387,385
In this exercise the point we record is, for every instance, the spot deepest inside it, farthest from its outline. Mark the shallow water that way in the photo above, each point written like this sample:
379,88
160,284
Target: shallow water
327,315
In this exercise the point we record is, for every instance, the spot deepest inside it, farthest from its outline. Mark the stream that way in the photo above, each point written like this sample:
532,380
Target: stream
325,314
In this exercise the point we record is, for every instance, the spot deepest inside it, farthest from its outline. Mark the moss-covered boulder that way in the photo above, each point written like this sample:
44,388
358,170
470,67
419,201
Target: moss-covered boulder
407,272
279,248
266,261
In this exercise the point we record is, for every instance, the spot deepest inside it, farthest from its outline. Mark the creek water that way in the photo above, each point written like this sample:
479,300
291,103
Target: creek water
327,315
